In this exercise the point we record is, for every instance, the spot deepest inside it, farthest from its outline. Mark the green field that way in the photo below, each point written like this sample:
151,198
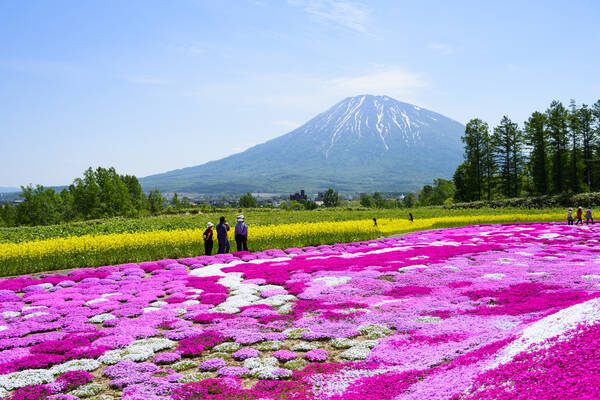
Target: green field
253,216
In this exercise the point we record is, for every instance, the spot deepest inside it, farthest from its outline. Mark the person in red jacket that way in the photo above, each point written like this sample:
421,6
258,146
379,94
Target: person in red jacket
579,216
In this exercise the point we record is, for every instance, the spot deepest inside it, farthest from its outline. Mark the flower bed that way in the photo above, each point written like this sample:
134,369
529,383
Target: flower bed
480,312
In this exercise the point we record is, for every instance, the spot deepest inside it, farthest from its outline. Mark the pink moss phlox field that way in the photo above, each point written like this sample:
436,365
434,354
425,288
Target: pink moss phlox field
480,312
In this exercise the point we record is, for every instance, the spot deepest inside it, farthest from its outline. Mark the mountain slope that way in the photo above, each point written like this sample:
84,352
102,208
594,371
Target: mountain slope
362,143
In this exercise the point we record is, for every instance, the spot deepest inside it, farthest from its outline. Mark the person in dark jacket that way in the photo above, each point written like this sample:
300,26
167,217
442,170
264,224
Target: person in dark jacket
579,215
410,217
208,239
241,234
222,230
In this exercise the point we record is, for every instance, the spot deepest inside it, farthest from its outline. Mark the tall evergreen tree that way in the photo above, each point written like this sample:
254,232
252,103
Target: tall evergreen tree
585,121
575,176
557,134
537,141
508,140
477,146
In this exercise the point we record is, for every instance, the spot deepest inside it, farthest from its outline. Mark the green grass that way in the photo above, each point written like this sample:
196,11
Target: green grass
253,216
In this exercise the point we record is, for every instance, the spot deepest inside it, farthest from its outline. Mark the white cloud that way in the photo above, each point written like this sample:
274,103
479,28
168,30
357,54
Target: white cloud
391,81
343,13
442,48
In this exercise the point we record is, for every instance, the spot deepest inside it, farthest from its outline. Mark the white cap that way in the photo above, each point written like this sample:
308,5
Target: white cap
209,225
240,218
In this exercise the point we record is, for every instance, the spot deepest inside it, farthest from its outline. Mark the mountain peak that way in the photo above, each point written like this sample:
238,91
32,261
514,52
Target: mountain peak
363,143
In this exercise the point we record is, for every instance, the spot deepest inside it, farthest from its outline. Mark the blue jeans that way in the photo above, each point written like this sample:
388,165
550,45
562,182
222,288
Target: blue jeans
223,246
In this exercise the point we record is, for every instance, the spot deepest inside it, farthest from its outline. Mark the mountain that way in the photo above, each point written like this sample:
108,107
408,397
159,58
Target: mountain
9,189
361,144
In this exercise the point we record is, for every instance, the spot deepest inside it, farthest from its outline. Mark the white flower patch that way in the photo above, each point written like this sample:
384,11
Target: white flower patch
356,353
158,303
28,377
27,308
262,368
494,276
100,318
3,393
343,343
189,303
75,365
277,301
305,346
419,258
111,294
333,280
411,267
549,236
140,350
3,328
35,314
505,260
150,309
537,273
285,309
98,300
590,277
87,390
10,314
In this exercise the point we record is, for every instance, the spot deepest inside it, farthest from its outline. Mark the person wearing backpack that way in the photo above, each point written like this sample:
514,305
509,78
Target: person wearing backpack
241,234
588,216
222,230
570,217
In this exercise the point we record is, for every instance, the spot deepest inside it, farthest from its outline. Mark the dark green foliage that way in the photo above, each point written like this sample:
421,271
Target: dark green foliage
248,201
536,138
156,201
438,194
367,201
557,152
557,132
410,200
507,147
331,198
98,194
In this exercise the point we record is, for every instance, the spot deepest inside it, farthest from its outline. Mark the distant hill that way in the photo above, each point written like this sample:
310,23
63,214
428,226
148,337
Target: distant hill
9,189
361,144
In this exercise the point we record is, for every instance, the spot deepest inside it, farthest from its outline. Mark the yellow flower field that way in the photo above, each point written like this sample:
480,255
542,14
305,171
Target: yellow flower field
96,250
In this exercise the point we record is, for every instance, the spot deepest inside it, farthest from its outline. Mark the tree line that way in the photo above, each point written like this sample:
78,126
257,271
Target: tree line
555,152
99,193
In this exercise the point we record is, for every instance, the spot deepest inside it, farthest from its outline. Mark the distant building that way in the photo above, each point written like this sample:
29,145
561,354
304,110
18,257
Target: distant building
298,196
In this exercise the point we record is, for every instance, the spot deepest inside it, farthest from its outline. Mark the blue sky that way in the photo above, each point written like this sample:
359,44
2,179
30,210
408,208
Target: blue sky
148,86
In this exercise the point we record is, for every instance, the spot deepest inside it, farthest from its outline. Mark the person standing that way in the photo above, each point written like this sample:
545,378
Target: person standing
410,217
222,230
579,215
588,216
241,234
208,239
570,217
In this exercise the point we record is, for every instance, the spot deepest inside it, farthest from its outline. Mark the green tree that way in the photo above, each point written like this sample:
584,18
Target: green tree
557,117
460,183
378,200
248,201
156,201
536,138
8,214
175,200
585,117
410,200
575,178
477,150
331,198
40,206
367,201
508,141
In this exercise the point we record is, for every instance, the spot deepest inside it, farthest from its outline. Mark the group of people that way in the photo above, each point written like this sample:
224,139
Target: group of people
588,216
241,236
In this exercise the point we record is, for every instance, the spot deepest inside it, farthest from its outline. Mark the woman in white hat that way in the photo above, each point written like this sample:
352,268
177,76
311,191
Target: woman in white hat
241,234
208,239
